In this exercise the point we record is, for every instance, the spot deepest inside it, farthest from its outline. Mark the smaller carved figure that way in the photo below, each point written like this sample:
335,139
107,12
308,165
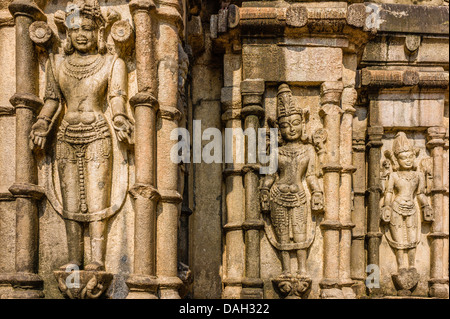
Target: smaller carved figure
405,188
283,194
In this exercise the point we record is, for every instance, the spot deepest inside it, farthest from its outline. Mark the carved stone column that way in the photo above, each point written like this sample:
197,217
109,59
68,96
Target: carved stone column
438,282
252,111
142,282
375,134
331,113
349,96
170,20
358,254
234,259
27,104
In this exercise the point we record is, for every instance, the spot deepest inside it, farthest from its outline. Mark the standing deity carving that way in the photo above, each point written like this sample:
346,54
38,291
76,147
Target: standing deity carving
284,195
404,193
86,98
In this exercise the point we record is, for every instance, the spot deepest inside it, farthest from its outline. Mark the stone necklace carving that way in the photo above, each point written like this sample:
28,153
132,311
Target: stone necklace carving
82,69
407,176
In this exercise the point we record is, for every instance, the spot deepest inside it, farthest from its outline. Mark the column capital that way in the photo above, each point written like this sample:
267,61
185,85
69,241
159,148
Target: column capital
141,5
144,99
436,136
330,92
26,100
27,8
252,91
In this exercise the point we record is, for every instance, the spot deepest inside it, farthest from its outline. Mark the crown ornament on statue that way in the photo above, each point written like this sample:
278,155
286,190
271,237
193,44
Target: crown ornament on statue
77,8
401,144
286,104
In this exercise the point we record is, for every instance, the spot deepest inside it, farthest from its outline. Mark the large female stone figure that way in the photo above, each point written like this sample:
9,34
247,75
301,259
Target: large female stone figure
77,85
284,196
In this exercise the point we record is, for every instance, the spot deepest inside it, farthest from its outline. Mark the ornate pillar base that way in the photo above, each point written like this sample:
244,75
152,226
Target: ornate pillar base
232,288
252,288
168,287
439,288
142,287
21,286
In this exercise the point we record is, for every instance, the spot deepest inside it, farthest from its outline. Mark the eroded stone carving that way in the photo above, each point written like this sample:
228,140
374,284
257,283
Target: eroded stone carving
404,190
290,227
86,96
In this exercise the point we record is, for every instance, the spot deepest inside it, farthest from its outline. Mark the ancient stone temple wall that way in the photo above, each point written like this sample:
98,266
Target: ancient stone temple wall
117,175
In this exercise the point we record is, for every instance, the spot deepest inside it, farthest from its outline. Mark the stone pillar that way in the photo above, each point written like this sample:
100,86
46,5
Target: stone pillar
25,189
349,96
358,254
143,283
374,144
438,282
170,21
331,113
252,111
234,260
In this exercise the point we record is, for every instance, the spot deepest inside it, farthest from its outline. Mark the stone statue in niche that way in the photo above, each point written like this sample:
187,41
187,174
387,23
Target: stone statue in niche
404,190
284,198
86,95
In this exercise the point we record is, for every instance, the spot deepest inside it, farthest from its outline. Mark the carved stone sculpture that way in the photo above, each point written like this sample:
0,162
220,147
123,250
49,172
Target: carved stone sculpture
404,190
283,195
86,96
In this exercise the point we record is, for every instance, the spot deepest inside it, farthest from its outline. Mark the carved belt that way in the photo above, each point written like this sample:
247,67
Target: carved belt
287,198
404,209
83,133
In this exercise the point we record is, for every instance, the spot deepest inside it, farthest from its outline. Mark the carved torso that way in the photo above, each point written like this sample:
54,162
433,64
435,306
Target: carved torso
405,187
84,86
293,163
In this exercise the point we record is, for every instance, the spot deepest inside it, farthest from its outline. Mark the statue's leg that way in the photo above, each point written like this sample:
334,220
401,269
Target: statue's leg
397,230
68,175
98,245
75,243
98,195
411,227
280,222
299,228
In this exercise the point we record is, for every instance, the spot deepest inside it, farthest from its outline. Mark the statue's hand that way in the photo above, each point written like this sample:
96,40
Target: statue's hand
386,213
265,204
123,128
317,202
428,213
38,134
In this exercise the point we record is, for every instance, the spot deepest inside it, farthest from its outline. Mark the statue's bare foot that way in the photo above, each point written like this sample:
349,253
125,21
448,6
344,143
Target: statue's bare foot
95,266
70,266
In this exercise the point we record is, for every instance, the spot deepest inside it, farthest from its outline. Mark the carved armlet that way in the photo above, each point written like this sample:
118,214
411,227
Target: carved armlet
120,114
45,118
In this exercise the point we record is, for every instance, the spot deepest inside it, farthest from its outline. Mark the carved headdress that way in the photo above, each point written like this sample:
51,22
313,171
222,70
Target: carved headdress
86,7
71,17
400,144
286,106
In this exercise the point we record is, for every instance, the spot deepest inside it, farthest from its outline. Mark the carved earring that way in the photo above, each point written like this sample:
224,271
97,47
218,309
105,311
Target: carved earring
101,44
68,47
